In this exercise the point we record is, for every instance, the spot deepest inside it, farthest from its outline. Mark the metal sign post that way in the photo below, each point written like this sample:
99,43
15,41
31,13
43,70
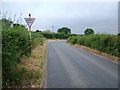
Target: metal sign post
29,22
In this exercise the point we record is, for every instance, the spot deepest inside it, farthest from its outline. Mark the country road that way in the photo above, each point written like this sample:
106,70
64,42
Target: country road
72,67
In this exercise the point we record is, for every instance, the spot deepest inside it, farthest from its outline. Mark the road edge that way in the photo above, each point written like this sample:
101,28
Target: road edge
98,53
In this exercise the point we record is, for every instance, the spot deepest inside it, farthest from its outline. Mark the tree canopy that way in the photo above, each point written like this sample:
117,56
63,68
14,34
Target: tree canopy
88,31
47,31
38,31
64,30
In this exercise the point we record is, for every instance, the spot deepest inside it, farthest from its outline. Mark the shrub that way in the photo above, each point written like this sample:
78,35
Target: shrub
103,42
57,35
15,45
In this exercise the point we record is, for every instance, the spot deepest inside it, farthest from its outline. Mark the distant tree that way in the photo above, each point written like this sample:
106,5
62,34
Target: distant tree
47,31
38,31
64,30
88,31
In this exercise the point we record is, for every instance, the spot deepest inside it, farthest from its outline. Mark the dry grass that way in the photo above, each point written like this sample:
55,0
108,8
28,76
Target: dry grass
35,67
101,54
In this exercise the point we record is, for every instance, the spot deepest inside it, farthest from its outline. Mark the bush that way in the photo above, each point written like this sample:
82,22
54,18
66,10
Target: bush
15,45
57,35
37,39
103,42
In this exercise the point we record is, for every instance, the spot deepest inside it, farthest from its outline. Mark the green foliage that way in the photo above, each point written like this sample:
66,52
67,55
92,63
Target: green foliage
37,39
57,35
103,42
6,23
41,65
15,45
47,31
64,30
88,31
34,75
72,39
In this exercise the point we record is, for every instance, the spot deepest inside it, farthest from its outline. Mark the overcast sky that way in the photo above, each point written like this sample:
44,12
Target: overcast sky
100,16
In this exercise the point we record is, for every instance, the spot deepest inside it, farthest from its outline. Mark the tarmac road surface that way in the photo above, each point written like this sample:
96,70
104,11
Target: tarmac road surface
72,67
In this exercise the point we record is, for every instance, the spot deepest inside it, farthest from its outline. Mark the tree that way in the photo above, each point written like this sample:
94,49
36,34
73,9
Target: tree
38,31
64,30
88,31
47,31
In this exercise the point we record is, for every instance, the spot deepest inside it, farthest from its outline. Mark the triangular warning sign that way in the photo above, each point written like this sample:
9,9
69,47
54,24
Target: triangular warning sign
29,21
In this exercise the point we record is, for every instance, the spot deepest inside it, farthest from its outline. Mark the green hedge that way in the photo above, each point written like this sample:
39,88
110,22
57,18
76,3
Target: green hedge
15,45
37,39
57,35
103,42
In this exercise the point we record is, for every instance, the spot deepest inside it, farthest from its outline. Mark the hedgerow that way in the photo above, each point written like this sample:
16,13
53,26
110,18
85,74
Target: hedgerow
15,45
37,39
57,35
103,42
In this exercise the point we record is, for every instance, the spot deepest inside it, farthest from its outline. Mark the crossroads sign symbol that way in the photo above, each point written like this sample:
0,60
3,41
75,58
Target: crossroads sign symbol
29,21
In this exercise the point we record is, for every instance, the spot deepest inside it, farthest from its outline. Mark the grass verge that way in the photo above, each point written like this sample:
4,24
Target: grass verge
34,68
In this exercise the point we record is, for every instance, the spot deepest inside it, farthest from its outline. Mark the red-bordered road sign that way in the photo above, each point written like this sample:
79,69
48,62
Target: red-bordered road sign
29,21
